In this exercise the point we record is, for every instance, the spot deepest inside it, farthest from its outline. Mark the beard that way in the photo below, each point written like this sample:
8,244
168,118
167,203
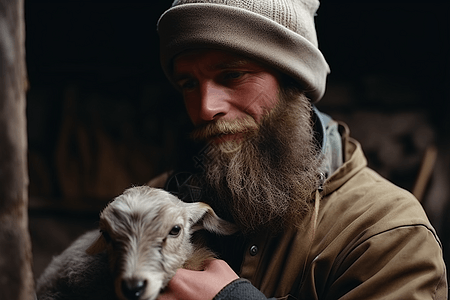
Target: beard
266,179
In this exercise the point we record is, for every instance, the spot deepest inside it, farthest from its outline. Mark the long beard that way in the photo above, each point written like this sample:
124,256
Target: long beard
267,178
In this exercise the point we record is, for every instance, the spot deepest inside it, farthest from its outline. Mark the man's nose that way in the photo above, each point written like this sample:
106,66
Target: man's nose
214,102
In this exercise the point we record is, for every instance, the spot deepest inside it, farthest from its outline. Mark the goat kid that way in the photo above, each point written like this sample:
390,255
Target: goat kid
145,236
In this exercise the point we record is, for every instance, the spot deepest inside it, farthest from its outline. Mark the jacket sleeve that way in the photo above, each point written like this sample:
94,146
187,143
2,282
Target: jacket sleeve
401,263
240,289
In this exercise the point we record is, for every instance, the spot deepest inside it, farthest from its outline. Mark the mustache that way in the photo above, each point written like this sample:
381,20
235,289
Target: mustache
221,127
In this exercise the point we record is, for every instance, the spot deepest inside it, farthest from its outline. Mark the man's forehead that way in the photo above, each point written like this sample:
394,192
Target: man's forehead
217,59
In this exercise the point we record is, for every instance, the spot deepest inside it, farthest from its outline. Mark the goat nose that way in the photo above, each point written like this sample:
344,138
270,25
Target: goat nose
132,289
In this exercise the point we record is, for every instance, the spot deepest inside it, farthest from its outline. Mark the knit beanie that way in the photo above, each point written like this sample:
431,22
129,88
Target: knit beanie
278,33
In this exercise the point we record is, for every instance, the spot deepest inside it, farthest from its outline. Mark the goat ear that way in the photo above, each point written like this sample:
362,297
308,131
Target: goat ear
97,246
204,217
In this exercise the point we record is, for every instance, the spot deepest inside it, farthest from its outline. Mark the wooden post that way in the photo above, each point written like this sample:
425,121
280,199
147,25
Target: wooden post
16,278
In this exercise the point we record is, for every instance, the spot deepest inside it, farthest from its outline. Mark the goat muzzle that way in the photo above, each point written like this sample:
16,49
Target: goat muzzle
133,288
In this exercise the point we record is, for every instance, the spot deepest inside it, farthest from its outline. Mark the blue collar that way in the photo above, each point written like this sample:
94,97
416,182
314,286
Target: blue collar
320,127
327,134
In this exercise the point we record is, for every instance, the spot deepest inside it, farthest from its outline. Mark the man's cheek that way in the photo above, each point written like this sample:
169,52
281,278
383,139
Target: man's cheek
260,105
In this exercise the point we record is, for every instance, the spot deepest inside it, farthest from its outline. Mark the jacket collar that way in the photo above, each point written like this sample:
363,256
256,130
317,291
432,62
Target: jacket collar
326,132
353,161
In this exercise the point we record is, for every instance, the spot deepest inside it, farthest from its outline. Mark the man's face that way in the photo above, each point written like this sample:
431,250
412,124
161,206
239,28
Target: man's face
221,86
263,162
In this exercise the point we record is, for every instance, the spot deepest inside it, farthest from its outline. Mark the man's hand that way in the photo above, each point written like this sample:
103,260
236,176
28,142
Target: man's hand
199,285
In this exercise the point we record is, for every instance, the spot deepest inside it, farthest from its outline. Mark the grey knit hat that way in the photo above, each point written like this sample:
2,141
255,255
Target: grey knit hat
279,33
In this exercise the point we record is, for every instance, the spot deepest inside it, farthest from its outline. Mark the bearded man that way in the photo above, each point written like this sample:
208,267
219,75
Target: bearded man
316,222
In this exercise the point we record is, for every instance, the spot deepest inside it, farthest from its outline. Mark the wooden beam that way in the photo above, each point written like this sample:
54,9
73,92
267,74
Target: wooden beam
16,278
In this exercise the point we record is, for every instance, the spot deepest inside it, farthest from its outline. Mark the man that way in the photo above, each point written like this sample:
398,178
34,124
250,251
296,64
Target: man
315,222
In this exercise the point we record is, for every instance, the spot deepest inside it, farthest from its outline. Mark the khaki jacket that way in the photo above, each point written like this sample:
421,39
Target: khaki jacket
372,241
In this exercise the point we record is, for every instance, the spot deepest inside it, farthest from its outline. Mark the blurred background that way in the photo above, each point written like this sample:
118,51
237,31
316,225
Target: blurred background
102,117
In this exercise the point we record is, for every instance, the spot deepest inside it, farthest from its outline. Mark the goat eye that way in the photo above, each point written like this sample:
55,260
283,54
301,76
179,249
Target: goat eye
106,236
175,231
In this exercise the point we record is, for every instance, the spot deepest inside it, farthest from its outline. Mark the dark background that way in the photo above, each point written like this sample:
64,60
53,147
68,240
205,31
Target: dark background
101,115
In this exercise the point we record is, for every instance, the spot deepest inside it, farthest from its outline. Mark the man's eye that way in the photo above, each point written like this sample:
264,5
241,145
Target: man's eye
187,84
233,75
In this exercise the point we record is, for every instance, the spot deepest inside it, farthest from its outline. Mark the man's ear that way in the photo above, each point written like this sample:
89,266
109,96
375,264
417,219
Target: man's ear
99,245
203,216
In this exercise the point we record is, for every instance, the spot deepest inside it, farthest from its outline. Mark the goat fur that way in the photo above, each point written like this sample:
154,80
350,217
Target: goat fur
138,240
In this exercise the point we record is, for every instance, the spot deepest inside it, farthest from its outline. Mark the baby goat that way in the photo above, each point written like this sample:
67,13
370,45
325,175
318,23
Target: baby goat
145,236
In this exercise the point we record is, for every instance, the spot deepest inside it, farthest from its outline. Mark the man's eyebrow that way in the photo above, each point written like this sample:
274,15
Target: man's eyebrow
236,63
179,77
231,64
